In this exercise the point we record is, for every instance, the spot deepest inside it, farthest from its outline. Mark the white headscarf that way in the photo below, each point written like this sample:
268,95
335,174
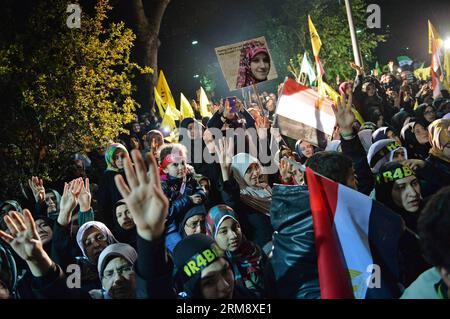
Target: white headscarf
100,227
258,197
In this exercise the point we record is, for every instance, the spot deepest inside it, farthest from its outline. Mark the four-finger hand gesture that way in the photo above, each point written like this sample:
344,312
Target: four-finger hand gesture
23,236
37,187
144,196
344,115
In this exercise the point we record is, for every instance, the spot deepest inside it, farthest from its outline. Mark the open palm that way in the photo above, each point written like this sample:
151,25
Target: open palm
23,237
144,196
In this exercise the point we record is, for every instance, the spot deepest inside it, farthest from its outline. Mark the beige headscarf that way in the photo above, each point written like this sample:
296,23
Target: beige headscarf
258,197
439,135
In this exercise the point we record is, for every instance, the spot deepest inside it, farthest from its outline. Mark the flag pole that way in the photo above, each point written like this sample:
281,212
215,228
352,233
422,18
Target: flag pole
356,50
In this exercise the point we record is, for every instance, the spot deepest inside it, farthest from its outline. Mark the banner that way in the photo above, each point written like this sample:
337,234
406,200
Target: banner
246,63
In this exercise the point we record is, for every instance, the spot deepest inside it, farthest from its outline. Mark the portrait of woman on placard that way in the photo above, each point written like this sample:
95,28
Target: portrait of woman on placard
254,64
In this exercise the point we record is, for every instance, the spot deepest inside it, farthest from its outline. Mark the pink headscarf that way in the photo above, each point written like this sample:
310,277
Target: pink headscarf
248,52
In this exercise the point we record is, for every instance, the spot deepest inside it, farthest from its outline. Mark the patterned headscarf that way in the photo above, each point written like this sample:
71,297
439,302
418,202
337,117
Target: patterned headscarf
247,259
110,153
248,52
439,132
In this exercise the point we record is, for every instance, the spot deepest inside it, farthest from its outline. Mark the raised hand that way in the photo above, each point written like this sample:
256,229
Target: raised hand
224,151
25,241
344,114
359,70
37,187
69,201
285,170
196,199
144,196
85,196
262,122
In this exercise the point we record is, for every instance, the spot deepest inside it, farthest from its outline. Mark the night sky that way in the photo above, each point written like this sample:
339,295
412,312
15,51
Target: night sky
227,22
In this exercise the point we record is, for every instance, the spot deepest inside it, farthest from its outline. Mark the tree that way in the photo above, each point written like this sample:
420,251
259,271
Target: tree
289,37
147,21
63,91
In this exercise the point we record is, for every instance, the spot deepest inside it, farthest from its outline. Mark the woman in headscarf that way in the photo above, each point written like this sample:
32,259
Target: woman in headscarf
92,239
425,114
254,65
439,158
108,194
385,151
247,258
385,132
409,140
255,198
115,268
398,188
125,228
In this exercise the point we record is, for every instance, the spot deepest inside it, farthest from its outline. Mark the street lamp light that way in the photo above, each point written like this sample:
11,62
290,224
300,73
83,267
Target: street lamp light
196,76
195,42
447,43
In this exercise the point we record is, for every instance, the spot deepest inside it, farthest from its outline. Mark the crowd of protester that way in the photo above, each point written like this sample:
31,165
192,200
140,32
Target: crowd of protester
146,218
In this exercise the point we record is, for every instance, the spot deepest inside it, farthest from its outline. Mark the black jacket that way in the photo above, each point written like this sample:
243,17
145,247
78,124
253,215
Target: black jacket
108,196
294,260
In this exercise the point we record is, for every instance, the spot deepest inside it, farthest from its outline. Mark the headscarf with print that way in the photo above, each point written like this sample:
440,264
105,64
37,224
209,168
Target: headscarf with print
258,197
439,132
248,52
247,259
110,153
110,239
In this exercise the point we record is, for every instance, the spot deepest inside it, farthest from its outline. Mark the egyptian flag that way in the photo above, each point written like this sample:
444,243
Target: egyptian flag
437,75
356,242
304,114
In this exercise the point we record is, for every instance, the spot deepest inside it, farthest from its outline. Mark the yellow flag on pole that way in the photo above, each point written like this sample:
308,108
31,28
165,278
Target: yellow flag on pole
164,91
204,102
447,69
432,34
173,112
185,108
168,122
159,103
422,73
315,39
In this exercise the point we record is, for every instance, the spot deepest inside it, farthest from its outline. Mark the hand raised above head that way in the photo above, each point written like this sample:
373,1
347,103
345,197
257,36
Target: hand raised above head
143,195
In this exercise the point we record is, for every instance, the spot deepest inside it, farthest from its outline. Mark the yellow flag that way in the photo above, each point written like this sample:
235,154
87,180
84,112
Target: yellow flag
164,91
168,122
185,107
315,39
447,69
423,73
204,111
173,112
159,103
432,34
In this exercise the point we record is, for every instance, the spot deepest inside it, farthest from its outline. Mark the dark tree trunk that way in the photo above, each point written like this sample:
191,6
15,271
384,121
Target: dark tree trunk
147,23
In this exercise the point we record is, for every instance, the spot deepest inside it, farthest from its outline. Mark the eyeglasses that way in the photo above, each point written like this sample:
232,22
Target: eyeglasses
124,270
194,225
98,238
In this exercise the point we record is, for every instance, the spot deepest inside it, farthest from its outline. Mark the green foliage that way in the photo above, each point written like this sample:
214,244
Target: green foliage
63,90
289,36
